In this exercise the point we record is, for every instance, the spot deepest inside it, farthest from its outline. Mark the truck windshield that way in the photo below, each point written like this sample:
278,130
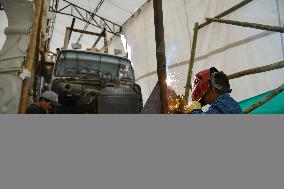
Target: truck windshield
72,63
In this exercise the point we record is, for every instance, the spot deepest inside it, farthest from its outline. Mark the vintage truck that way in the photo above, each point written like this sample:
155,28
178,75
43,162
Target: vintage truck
96,83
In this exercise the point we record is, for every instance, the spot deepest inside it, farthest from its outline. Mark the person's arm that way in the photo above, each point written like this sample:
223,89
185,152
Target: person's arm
212,110
195,108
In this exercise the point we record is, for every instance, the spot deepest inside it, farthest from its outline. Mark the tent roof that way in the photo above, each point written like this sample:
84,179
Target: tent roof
116,11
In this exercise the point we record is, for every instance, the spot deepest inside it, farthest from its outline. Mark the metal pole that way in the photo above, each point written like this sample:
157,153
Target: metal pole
191,62
229,11
160,54
248,25
24,100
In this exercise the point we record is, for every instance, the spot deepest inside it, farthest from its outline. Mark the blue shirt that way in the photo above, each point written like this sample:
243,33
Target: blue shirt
225,104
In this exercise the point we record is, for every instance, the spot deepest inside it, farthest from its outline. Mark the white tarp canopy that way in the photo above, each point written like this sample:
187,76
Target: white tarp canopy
229,48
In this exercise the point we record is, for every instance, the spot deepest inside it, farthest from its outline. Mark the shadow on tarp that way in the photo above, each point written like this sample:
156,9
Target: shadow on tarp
274,106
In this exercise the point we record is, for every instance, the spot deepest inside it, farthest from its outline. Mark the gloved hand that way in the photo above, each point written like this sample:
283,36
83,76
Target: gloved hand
194,105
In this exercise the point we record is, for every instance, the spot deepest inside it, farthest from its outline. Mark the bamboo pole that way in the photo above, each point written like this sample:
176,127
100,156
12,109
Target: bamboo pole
229,11
248,25
160,55
191,62
277,65
24,99
265,100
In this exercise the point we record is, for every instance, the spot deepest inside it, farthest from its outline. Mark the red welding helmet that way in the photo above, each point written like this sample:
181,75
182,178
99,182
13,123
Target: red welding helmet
202,83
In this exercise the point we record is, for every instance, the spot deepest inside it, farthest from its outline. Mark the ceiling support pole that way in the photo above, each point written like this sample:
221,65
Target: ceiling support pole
160,54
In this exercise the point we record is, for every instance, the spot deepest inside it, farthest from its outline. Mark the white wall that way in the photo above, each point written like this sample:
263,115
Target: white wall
229,48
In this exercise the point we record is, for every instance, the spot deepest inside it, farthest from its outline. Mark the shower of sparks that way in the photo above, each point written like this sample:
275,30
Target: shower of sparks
173,81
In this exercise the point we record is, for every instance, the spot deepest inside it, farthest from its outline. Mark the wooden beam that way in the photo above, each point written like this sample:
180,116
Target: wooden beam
24,99
85,32
160,54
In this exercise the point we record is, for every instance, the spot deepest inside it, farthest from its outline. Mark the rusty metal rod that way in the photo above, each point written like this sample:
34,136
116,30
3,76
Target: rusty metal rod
191,62
249,25
273,94
270,67
160,55
225,13
24,99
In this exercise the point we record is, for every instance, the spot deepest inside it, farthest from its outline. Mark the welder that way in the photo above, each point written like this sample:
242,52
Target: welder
212,87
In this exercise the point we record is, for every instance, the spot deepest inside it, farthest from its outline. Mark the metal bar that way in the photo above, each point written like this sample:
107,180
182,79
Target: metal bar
98,25
80,14
64,8
277,65
83,11
98,39
229,11
160,54
249,25
265,100
191,62
24,99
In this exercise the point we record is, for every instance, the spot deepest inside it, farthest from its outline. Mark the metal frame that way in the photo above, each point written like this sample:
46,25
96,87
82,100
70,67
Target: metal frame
270,67
84,15
51,23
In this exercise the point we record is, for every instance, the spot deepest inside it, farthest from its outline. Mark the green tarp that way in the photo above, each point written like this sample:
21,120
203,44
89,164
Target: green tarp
274,106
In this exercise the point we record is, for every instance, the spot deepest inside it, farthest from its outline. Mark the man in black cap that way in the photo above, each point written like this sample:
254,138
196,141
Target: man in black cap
46,102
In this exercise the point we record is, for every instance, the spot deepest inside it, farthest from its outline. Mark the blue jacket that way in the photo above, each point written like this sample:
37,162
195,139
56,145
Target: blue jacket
225,104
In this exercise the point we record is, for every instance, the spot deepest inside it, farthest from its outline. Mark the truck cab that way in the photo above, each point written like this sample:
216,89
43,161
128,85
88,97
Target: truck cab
93,82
